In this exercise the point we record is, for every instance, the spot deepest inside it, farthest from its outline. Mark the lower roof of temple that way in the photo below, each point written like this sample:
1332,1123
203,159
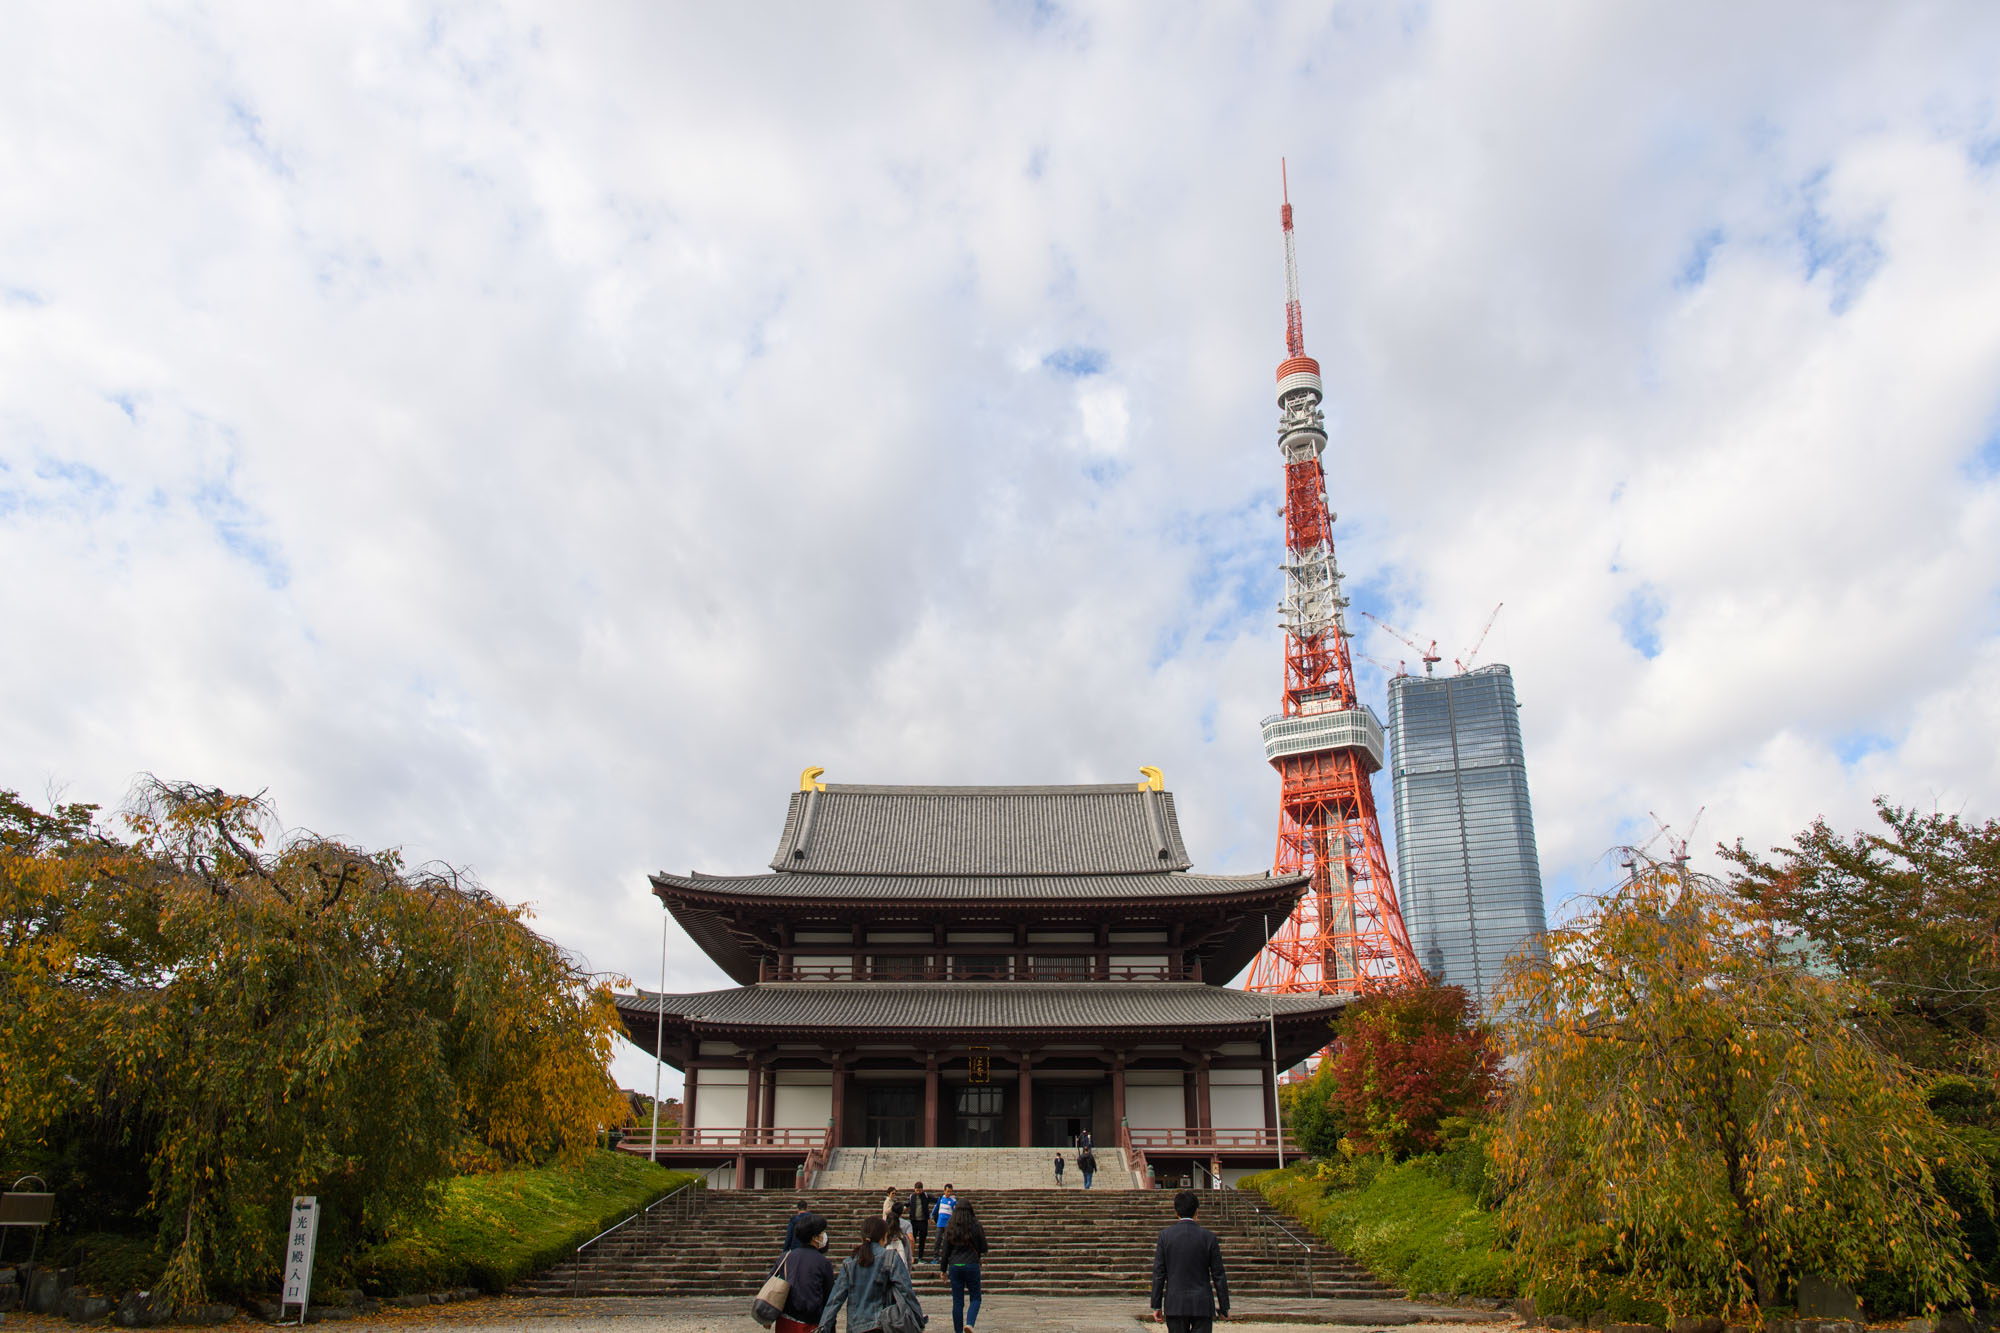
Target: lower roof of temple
944,1012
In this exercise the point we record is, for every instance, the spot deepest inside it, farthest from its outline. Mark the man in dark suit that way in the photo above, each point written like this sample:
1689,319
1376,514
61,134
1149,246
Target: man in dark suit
1187,1263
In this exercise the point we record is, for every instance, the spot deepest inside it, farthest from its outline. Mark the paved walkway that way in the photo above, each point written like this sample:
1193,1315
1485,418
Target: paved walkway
1002,1314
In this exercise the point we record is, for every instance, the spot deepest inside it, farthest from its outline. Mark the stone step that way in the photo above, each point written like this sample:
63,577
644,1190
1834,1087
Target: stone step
1048,1241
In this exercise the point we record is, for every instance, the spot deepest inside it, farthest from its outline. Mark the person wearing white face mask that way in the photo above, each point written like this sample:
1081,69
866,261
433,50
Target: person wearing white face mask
811,1275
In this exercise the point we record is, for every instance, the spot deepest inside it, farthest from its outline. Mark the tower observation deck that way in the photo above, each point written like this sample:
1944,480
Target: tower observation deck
1347,931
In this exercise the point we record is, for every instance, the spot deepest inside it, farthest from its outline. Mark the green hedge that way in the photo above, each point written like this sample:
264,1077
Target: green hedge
107,1263
490,1231
1406,1222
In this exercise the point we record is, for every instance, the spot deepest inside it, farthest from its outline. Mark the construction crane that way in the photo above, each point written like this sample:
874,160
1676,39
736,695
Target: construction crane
1428,656
1677,845
1473,652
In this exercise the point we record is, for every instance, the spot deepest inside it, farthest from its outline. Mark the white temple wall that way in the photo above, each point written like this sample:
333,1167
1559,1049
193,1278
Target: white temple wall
721,1097
1154,1099
804,1101
1236,1098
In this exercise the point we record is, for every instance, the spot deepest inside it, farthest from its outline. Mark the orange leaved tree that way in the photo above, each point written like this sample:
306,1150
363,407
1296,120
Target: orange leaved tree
279,1013
1696,1119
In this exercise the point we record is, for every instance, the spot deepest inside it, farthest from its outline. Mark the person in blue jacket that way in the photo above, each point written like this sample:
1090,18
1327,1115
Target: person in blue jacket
869,1279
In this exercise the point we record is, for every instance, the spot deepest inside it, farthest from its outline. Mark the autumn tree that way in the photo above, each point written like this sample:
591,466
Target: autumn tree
281,1013
1912,912
1696,1118
1408,1059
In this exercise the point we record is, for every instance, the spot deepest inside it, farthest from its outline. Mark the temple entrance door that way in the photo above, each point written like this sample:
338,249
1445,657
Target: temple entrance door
1065,1114
976,1117
894,1116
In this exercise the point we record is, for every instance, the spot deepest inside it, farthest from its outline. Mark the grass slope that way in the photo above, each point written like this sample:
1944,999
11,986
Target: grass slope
1406,1222
493,1230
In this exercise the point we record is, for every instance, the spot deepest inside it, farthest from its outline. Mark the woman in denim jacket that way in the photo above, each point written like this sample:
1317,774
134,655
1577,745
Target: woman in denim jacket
868,1280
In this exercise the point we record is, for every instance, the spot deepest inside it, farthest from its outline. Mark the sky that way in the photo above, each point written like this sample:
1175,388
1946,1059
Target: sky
530,435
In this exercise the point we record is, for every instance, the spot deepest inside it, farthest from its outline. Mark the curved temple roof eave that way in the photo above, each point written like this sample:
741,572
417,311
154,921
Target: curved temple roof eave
980,1012
700,903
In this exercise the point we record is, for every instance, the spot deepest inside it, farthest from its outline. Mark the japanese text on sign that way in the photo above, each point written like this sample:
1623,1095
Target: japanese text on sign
299,1251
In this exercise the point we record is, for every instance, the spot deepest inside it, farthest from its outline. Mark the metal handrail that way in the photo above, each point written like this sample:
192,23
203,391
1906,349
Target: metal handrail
1236,1202
683,1208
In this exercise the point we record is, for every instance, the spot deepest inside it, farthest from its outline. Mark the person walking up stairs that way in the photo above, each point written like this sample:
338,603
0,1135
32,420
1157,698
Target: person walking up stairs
1187,1263
961,1247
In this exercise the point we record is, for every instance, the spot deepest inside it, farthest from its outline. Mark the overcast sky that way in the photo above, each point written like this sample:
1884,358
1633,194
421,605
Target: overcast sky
529,436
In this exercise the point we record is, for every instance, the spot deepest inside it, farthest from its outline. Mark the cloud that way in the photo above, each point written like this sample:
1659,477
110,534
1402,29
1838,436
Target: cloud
530,435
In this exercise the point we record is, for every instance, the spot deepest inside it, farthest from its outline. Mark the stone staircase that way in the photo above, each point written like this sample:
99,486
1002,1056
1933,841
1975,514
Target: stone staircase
1045,1242
969,1169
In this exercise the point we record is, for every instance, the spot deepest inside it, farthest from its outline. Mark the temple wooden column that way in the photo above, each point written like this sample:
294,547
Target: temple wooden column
1027,1100
769,1116
836,1131
753,1102
1118,1094
931,1100
1201,1093
690,1085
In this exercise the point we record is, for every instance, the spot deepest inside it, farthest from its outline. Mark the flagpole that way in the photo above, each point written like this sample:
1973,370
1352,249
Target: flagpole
659,1040
1277,1105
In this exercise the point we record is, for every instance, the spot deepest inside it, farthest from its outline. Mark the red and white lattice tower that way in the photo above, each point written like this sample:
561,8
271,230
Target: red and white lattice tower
1348,932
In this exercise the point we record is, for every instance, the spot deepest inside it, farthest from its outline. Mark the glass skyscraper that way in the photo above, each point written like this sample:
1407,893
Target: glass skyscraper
1466,872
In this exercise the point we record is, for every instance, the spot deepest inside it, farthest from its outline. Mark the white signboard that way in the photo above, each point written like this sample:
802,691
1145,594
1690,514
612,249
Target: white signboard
299,1251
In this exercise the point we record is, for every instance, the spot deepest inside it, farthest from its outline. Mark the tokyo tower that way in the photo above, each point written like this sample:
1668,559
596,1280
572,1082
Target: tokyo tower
1348,932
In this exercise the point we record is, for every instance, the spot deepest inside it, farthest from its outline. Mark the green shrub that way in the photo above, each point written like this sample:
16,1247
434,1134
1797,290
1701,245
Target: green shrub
113,1264
1406,1222
1313,1124
490,1231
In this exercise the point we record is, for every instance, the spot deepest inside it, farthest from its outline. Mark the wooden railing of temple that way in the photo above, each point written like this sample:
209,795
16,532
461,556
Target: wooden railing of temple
1135,1143
815,1163
1185,1140
639,1139
1135,1159
901,969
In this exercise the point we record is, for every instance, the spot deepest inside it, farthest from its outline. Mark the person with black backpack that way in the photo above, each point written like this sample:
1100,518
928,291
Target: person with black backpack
1086,1164
960,1248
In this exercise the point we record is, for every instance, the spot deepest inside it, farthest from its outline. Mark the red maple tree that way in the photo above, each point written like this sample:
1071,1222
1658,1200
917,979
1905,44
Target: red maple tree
1408,1059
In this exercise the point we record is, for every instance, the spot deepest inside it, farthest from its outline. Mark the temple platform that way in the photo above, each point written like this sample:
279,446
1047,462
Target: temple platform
966,1169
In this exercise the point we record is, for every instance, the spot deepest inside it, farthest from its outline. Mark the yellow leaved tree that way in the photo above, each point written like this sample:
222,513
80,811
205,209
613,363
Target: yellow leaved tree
273,1012
1696,1118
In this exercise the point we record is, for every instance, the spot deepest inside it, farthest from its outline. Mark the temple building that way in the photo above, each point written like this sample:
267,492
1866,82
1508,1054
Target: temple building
978,967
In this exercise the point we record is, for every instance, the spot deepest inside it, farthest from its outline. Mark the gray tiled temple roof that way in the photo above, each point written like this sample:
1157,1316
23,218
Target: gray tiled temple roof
991,1008
983,888
1119,829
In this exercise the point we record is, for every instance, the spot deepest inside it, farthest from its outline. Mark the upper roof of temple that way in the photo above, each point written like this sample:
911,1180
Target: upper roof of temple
892,859
980,831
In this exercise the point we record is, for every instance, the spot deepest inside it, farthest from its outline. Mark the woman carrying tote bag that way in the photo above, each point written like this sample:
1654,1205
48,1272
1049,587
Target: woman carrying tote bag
794,1297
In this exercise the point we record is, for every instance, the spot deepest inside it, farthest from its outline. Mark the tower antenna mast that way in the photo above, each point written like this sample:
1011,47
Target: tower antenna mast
1347,933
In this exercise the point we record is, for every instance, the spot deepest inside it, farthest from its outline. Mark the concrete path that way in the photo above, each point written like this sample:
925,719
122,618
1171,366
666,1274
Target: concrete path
1003,1314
